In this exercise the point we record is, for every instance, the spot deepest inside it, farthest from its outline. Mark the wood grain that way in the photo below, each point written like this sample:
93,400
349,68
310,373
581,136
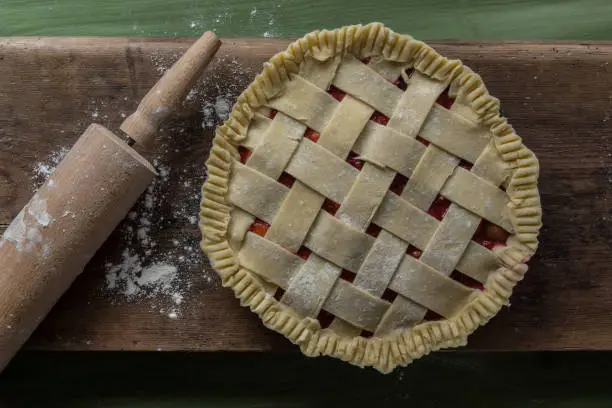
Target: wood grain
557,96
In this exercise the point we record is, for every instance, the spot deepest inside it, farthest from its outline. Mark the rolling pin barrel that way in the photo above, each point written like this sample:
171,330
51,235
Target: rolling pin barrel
54,236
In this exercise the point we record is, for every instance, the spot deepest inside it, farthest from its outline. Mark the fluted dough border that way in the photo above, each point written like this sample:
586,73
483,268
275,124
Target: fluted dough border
402,346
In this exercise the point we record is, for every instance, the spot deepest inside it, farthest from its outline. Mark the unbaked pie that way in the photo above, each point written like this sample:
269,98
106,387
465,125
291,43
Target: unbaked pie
367,200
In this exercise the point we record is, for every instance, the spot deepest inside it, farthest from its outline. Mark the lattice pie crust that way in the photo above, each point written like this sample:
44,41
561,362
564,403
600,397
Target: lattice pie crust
360,280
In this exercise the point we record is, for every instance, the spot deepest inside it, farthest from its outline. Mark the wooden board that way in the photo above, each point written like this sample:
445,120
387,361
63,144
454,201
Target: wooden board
557,96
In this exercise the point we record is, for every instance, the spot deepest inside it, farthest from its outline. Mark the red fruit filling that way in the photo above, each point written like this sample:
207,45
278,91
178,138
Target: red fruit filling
389,295
325,318
398,184
400,83
366,334
490,235
354,161
379,118
466,280
466,165
373,230
414,251
330,206
286,179
336,93
303,252
347,275
420,139
244,154
312,135
259,227
431,315
279,293
445,100
439,207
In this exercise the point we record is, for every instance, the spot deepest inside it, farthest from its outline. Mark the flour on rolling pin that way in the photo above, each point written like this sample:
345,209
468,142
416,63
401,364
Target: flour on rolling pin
24,231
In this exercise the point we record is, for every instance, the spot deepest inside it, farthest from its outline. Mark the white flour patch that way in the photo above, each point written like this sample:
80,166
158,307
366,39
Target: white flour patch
158,275
177,298
222,107
24,230
158,255
38,209
133,280
16,231
217,111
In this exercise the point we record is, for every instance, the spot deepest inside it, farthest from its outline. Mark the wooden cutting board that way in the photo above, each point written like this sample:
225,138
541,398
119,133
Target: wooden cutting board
558,97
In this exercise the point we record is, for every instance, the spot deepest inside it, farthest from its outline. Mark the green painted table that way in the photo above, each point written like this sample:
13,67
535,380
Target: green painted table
424,19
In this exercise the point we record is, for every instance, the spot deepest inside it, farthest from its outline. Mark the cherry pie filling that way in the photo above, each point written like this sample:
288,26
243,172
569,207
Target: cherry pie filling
488,234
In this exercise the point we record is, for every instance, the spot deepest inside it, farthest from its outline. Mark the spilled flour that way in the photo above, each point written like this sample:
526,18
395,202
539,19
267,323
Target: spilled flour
134,281
157,256
158,253
157,260
217,111
217,91
43,169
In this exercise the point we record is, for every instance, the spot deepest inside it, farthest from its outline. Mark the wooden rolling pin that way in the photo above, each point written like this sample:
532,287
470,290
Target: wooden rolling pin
54,236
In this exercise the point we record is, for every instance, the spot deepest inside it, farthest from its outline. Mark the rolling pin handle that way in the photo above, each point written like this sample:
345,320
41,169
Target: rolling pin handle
168,93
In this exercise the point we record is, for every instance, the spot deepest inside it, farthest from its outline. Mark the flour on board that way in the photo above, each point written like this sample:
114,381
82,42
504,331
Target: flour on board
155,262
133,280
43,169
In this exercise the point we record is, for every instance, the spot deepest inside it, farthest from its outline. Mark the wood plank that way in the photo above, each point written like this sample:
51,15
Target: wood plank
556,94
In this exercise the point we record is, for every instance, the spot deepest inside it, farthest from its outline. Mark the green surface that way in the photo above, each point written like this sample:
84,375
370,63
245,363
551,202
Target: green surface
433,19
453,380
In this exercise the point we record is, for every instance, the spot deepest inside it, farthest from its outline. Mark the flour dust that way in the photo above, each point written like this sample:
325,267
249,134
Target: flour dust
238,21
161,243
43,169
216,93
160,260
